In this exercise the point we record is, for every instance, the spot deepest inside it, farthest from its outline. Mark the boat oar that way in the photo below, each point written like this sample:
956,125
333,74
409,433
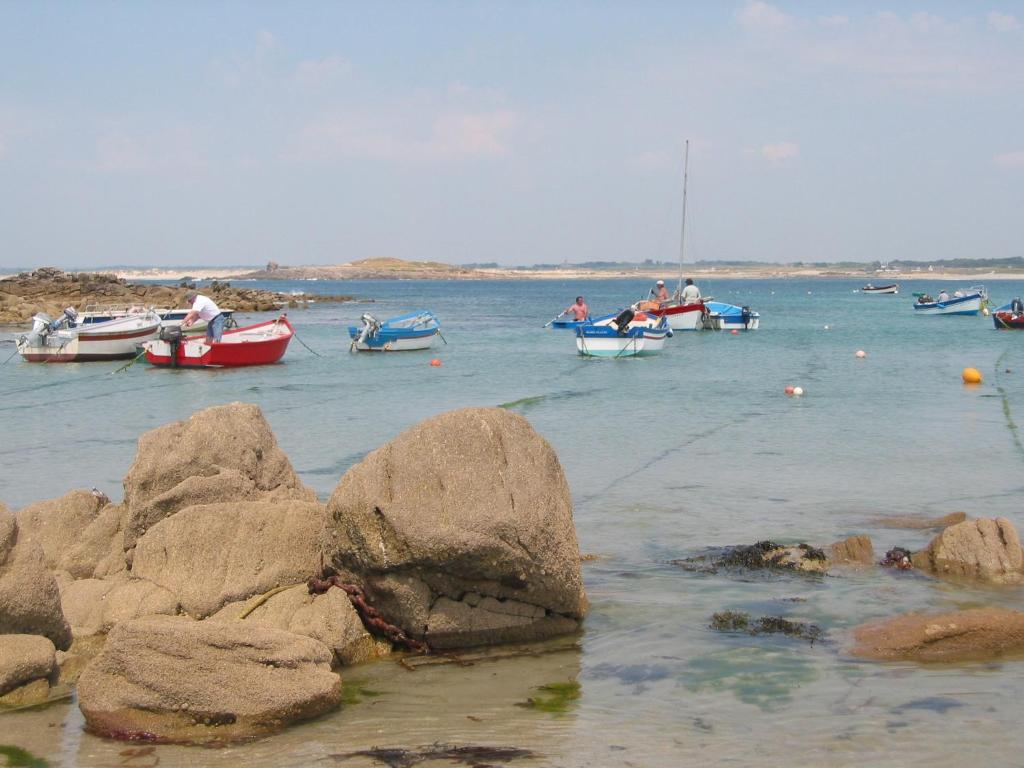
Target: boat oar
549,322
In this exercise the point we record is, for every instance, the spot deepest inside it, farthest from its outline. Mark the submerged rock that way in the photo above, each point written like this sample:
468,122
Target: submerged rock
214,554
975,634
855,550
762,555
178,680
225,453
733,621
919,522
460,531
985,549
29,598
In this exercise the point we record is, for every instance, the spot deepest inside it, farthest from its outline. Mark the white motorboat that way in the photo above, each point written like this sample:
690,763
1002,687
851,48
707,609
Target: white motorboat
60,341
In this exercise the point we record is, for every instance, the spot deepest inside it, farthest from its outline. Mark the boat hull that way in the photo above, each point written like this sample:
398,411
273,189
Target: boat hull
729,317
642,338
881,289
405,333
114,340
963,305
682,317
261,344
386,342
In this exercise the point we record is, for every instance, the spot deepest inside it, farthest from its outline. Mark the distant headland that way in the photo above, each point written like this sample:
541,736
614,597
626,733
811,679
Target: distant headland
401,269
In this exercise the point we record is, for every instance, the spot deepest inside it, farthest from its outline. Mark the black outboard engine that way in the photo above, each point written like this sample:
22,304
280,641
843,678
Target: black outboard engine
1017,307
172,335
746,313
622,321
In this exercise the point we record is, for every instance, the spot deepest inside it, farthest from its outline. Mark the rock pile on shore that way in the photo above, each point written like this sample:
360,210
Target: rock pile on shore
229,598
50,290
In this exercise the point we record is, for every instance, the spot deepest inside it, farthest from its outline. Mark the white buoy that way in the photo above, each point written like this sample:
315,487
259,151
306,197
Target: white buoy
797,391
827,328
861,353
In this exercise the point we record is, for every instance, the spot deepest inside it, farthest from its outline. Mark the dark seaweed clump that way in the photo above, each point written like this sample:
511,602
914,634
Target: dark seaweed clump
16,757
734,621
474,755
757,556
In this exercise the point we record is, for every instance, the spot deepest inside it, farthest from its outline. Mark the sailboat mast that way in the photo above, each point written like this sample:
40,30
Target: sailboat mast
682,231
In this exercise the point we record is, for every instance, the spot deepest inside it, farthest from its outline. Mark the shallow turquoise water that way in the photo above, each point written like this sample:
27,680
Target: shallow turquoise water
665,456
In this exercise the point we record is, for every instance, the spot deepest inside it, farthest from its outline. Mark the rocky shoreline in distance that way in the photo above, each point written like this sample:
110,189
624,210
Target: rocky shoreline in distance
50,290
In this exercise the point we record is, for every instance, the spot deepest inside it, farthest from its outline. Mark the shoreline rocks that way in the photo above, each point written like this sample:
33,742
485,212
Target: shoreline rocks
50,290
971,635
985,549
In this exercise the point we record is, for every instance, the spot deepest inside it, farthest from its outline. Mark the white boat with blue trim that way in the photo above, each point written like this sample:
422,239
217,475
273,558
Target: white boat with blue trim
968,302
729,317
628,334
416,330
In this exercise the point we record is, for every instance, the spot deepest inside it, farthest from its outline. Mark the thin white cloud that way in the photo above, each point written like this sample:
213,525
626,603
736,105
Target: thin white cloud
756,14
833,21
321,71
779,153
450,136
1010,159
171,151
1003,22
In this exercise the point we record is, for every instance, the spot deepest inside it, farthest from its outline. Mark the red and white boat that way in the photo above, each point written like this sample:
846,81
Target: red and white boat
52,341
681,317
260,344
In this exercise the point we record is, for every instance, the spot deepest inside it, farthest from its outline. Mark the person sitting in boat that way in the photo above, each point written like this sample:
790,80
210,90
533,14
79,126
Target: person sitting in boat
943,296
926,299
958,294
204,308
1017,307
691,293
580,310
660,292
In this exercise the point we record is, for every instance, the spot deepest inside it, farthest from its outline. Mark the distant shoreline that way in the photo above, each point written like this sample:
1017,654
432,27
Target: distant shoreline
668,274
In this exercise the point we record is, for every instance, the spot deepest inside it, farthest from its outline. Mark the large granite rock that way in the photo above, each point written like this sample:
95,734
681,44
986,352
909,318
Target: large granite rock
24,658
174,679
99,551
214,554
94,606
853,550
460,531
225,453
328,617
56,525
985,549
29,599
979,633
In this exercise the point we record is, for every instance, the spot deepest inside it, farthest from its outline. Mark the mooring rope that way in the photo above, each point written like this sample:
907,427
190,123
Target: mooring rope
296,335
130,363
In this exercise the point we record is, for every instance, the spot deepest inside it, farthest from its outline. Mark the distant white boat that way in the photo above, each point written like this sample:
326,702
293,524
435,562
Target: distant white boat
892,288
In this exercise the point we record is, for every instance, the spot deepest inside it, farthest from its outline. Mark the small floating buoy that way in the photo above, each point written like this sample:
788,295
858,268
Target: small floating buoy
827,328
436,363
798,391
789,390
971,376
735,332
861,353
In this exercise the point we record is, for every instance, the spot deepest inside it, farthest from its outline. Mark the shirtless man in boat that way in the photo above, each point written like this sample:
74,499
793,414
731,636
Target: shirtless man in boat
580,310
204,308
659,292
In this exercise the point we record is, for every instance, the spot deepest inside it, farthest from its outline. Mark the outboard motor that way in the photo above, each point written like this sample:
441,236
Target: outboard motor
622,321
172,335
370,327
70,316
42,324
1017,307
746,313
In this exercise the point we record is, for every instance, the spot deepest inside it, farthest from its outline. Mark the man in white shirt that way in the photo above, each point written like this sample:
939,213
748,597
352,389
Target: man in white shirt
691,293
204,308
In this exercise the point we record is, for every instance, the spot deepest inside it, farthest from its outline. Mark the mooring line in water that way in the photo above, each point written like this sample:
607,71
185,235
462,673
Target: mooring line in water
306,345
129,364
1007,413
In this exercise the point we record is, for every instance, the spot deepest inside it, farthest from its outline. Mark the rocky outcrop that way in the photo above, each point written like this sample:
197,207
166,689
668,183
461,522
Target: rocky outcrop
985,549
976,634
99,550
29,599
57,525
460,531
50,290
24,658
214,554
328,617
854,550
225,453
94,606
178,680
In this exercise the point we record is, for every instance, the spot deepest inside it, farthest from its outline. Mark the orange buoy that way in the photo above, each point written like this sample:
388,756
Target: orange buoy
971,376
435,362
734,332
789,390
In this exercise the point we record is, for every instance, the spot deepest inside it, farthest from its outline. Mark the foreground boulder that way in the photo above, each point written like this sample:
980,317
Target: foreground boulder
985,549
58,524
460,531
29,599
178,680
24,658
976,634
225,453
214,554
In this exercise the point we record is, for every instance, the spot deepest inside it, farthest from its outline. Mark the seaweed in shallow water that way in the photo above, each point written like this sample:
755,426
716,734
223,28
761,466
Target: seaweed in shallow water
474,755
734,621
762,555
16,757
560,697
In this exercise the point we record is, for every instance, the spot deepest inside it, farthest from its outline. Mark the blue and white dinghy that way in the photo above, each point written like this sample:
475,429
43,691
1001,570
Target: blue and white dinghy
965,302
728,317
628,334
416,330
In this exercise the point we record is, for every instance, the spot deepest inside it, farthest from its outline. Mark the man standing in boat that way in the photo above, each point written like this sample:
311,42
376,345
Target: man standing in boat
204,308
691,293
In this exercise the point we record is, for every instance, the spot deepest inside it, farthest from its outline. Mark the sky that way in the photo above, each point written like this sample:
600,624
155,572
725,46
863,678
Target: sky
223,133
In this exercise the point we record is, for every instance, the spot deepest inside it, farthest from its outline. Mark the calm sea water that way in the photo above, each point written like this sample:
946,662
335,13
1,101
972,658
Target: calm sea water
665,456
